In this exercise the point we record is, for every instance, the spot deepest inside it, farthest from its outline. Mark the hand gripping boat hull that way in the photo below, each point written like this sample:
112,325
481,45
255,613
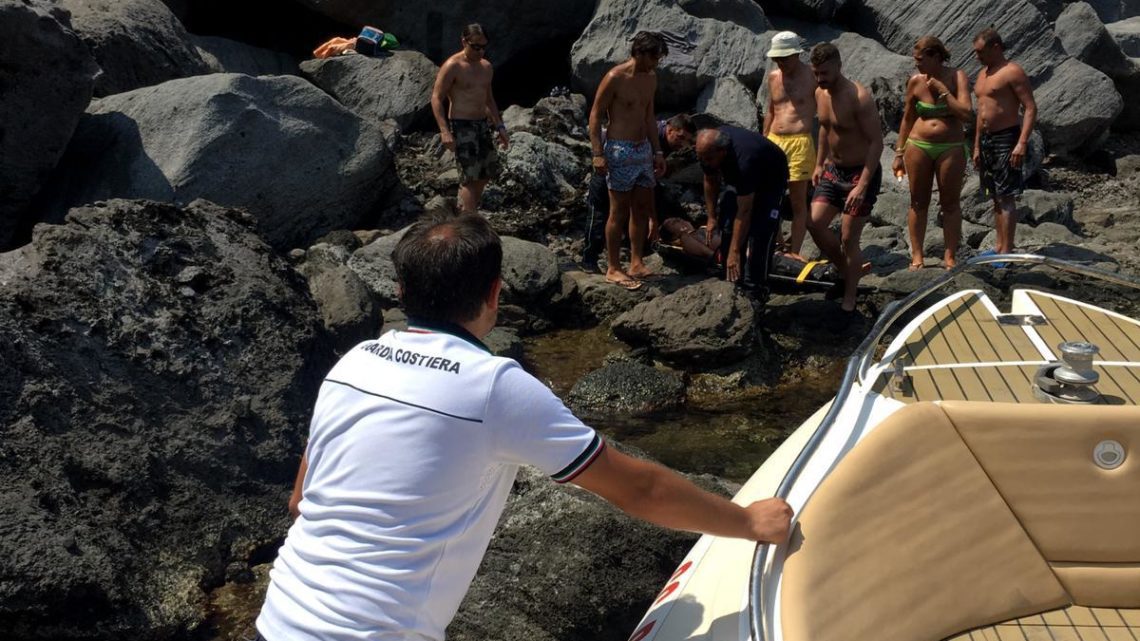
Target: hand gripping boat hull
980,481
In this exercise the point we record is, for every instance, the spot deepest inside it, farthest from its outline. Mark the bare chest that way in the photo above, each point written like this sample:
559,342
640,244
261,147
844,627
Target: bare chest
839,115
795,91
472,78
632,93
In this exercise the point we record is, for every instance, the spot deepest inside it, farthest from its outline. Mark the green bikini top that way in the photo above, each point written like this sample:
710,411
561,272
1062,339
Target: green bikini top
927,110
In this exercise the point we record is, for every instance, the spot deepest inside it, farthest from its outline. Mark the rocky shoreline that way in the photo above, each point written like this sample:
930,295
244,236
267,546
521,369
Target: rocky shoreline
193,228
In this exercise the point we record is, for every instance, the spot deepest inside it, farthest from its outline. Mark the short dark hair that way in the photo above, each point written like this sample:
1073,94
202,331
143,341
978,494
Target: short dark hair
825,52
446,266
648,42
474,29
989,37
684,123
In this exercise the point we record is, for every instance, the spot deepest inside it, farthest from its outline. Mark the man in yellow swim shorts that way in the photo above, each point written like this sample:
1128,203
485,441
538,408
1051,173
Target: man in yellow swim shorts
787,122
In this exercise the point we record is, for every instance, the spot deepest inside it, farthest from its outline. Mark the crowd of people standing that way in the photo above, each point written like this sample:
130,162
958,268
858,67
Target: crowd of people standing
416,436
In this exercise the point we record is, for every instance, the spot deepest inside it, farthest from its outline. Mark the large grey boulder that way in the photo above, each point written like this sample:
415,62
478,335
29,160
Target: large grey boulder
709,323
879,69
275,145
731,101
1114,10
627,388
373,264
222,55
348,308
46,74
394,86
517,29
1086,39
530,270
137,43
1076,104
1126,33
723,46
818,11
160,368
537,171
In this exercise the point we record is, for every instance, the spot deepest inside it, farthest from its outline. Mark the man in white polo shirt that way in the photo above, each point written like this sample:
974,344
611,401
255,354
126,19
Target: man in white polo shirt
414,445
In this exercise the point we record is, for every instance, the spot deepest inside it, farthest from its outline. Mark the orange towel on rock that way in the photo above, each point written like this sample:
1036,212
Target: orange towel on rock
334,47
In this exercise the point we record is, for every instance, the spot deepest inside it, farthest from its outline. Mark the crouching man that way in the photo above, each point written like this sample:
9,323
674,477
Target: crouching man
414,444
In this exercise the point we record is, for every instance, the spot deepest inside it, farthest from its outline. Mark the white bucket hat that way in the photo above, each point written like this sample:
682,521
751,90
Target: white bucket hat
785,43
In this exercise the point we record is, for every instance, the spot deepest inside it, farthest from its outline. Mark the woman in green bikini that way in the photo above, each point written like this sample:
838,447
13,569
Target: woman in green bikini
932,144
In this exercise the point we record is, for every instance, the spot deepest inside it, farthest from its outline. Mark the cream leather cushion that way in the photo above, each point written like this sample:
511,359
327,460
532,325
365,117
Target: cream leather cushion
1040,458
1105,585
908,540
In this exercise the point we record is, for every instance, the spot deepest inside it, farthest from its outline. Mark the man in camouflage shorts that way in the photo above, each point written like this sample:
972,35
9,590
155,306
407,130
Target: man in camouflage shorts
475,153
465,127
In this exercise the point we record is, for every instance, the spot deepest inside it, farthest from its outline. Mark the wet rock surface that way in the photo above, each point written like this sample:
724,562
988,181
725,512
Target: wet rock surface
161,367
627,388
709,323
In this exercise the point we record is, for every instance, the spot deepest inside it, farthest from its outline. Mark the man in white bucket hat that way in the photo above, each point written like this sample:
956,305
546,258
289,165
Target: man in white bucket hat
788,121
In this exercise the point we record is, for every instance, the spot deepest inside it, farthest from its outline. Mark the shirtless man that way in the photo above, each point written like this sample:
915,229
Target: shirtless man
787,122
1002,133
847,174
631,157
464,81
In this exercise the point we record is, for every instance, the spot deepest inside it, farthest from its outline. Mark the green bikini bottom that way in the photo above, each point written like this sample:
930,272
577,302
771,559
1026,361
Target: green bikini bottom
936,149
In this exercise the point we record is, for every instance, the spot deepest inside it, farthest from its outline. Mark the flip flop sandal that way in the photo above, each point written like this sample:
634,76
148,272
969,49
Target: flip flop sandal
629,284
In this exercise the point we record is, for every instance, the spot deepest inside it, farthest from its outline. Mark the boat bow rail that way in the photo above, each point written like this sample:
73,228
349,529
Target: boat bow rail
856,371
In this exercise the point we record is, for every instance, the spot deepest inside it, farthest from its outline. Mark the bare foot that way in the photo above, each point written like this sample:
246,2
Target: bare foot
642,274
949,263
622,279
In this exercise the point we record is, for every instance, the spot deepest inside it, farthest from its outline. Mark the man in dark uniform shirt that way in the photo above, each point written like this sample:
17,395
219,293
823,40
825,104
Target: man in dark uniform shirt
753,172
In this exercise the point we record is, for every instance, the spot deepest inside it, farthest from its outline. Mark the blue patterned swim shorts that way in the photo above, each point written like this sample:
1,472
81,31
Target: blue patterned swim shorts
630,164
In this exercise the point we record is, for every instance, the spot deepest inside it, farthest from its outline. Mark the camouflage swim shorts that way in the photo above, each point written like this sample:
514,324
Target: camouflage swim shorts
475,152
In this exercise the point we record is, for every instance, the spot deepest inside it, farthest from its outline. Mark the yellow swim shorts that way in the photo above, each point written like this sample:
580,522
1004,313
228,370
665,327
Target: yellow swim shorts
800,150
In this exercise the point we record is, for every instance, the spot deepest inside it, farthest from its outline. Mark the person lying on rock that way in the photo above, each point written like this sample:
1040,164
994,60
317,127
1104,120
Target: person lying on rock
414,444
1006,115
847,174
464,82
693,241
754,173
674,134
630,157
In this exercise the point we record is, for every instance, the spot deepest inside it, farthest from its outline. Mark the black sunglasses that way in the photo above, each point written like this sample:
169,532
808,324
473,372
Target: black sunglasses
476,47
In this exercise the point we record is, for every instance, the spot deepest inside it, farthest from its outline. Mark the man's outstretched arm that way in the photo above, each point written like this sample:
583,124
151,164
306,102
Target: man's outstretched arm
654,493
298,484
